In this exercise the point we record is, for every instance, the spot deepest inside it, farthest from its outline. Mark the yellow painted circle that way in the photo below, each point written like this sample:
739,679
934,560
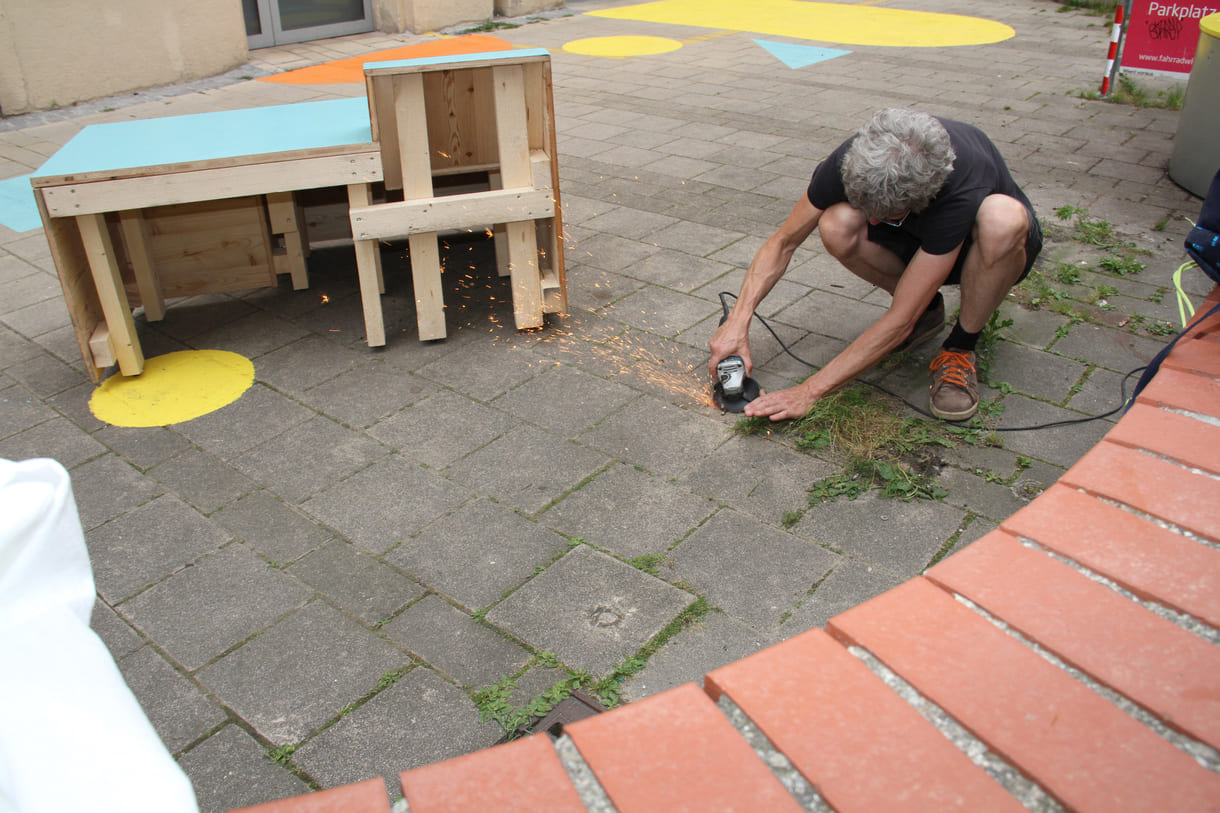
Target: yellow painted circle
173,388
620,47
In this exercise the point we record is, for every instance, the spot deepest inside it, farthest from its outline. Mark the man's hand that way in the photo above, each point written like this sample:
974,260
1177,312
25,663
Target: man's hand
782,405
729,340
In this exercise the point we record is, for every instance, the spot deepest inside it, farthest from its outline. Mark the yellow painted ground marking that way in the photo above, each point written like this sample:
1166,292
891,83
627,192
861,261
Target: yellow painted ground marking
821,22
173,388
622,47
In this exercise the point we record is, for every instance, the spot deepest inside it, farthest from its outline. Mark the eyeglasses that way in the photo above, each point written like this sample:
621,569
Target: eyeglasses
898,222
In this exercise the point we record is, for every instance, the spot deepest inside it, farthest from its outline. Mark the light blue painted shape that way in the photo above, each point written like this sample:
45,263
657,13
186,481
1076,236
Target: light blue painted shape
207,136
18,211
799,56
457,59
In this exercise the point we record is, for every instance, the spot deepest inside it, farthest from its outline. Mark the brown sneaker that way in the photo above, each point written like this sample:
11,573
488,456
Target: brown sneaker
955,385
928,326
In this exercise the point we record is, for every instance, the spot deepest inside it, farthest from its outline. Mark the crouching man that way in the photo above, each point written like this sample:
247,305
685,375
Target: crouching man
910,203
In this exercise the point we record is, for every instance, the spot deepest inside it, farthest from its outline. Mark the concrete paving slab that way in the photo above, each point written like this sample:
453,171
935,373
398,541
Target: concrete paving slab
356,582
850,583
204,481
230,769
275,684
179,712
759,587
455,644
190,614
272,527
629,512
590,610
478,554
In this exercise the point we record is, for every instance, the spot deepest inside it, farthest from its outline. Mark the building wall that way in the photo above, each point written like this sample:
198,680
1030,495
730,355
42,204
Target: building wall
54,53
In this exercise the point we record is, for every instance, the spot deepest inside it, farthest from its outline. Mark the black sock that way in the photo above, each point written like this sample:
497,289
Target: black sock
961,340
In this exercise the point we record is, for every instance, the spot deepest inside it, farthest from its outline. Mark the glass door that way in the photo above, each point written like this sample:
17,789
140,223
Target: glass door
276,22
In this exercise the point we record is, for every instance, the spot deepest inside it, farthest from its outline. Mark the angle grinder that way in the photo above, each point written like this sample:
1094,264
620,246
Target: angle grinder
733,390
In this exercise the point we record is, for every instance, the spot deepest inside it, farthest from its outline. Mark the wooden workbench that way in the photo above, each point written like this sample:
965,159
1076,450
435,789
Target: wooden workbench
140,211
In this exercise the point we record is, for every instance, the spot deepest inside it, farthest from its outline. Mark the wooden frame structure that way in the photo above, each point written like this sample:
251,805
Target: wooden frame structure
140,211
486,115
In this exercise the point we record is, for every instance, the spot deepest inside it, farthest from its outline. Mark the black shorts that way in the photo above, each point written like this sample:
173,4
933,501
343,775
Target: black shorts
905,245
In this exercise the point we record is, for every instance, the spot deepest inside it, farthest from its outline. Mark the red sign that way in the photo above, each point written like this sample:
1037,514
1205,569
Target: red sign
1162,35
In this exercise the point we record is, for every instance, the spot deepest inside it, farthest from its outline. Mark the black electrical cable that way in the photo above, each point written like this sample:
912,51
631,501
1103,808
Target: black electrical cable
1051,425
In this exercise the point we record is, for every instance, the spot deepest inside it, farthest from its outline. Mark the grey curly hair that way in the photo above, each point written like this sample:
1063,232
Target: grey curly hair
898,162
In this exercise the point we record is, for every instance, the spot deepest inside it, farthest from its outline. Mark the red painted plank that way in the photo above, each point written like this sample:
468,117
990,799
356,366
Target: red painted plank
1175,389
857,742
675,751
1086,752
1155,563
1157,487
368,796
524,776
1170,434
1162,667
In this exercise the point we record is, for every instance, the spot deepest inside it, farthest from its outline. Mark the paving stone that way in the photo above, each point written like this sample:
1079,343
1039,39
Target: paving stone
850,583
190,614
57,438
469,371
758,589
564,400
590,609
45,375
1045,376
230,769
272,527
715,640
22,409
306,363
273,681
147,544
678,270
202,480
116,634
454,644
479,553
901,537
299,463
414,431
257,416
356,581
15,349
657,437
629,512
179,712
658,310
40,318
527,468
143,447
418,720
1117,350
993,500
106,487
346,396
760,477
386,502
1059,445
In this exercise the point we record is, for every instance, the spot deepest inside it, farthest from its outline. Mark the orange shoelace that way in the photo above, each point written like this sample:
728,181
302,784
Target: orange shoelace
956,367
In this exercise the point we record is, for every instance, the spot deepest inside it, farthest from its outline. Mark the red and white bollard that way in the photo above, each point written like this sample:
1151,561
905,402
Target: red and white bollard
1115,33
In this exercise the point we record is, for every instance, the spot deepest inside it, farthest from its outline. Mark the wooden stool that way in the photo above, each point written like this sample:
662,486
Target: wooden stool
488,115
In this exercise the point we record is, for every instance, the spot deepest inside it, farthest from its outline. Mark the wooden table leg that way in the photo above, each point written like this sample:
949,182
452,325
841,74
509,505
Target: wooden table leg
516,170
135,236
109,283
368,268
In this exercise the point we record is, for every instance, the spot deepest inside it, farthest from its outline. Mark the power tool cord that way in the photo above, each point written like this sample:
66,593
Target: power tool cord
1051,425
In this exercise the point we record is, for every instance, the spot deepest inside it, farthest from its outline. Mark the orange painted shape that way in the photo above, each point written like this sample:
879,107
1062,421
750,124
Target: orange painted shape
362,797
1153,562
1162,667
1157,487
1178,390
351,69
524,775
675,751
1083,750
1170,434
858,743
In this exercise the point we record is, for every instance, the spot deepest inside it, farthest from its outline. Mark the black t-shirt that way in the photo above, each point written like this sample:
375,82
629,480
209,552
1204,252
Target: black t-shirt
978,171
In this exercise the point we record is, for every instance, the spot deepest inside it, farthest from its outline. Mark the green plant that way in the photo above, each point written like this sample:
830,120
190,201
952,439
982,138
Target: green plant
791,518
649,562
1127,91
1067,273
282,755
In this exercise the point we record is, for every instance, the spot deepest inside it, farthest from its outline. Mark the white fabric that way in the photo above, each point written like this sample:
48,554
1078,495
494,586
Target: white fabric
71,733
